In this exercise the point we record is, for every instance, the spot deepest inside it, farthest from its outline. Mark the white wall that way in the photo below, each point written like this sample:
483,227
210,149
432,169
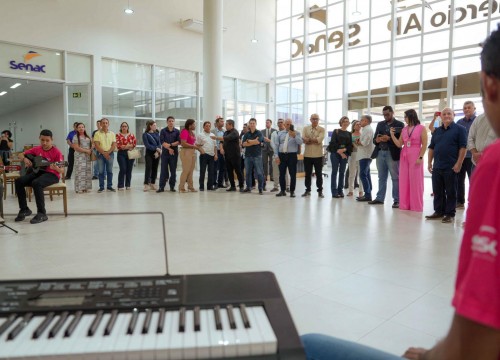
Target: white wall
151,35
30,121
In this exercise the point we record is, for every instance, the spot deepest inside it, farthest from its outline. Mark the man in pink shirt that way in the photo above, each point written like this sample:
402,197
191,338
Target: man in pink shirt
40,179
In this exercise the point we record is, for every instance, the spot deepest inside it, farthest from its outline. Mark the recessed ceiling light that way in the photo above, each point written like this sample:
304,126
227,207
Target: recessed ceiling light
140,105
125,93
15,85
58,54
3,93
129,11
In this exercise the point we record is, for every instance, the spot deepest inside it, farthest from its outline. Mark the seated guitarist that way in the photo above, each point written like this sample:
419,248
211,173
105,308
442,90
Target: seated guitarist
38,179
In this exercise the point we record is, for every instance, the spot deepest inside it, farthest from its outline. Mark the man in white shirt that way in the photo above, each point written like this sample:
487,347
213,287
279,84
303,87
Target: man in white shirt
365,149
208,156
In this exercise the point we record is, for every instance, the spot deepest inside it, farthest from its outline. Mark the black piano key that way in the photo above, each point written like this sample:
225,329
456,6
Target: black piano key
44,325
133,322
182,319
8,323
73,324
147,321
196,318
161,321
95,323
111,323
230,315
59,324
244,316
218,323
17,330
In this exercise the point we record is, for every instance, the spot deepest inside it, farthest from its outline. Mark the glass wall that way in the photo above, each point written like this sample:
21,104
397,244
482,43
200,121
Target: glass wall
335,58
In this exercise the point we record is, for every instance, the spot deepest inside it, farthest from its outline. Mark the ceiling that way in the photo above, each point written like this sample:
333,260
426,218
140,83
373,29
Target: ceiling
30,93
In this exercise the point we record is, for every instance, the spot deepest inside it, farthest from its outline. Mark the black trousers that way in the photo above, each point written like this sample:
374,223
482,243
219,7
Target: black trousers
466,169
233,164
444,186
151,167
288,161
267,163
220,169
37,181
168,169
317,163
71,162
207,162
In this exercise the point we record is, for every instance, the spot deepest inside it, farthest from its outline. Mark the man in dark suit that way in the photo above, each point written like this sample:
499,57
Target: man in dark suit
267,151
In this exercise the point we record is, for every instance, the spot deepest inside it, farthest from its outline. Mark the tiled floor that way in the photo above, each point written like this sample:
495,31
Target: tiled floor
371,274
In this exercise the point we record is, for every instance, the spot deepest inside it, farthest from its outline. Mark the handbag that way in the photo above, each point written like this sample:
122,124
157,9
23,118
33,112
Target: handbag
93,156
134,154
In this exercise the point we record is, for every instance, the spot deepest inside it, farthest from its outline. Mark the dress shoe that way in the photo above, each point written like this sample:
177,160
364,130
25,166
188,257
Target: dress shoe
320,194
172,190
22,214
231,189
447,219
261,192
247,190
111,189
40,217
281,193
160,190
274,190
292,194
376,202
341,195
336,196
364,199
306,194
460,206
434,216
395,205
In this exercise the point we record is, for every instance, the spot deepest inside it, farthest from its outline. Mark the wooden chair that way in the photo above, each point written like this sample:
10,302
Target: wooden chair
54,189
9,178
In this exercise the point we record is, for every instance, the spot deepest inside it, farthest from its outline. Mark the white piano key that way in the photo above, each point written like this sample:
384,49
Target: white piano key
216,336
80,335
242,337
270,342
255,339
135,339
6,346
93,343
189,344
203,336
149,339
122,339
22,343
230,344
176,342
163,339
106,351
55,347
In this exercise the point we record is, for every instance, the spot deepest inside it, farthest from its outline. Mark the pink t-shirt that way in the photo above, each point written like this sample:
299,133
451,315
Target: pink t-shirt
186,136
53,155
477,289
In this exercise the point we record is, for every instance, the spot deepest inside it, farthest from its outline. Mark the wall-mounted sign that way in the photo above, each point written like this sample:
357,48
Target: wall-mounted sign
77,95
27,65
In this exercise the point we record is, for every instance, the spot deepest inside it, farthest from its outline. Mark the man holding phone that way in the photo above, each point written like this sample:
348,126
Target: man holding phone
387,155
287,142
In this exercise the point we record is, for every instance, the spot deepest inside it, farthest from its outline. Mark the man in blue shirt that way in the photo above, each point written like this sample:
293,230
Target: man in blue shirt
287,142
252,141
71,152
170,140
447,149
467,166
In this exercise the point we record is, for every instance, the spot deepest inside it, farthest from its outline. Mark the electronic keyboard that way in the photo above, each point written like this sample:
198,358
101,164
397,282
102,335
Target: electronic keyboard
216,316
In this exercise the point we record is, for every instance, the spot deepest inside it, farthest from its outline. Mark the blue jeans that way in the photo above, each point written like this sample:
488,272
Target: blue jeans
251,164
338,166
207,162
126,165
105,165
444,186
322,347
386,165
168,169
364,175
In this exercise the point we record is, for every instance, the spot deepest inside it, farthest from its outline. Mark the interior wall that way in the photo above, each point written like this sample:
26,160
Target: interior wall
30,121
151,35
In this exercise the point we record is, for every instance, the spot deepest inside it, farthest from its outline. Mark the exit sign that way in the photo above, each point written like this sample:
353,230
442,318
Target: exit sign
77,95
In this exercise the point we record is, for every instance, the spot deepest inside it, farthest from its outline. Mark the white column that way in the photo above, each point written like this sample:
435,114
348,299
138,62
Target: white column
212,59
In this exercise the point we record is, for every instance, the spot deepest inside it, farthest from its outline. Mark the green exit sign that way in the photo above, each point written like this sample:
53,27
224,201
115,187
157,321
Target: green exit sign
77,95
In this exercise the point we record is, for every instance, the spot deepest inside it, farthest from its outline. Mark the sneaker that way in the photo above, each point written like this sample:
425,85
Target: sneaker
39,217
261,192
306,194
22,214
146,187
376,202
160,190
111,189
292,194
447,219
395,205
460,206
100,190
434,216
275,189
364,199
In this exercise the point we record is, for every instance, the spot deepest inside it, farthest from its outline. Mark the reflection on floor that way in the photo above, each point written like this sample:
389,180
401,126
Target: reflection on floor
371,274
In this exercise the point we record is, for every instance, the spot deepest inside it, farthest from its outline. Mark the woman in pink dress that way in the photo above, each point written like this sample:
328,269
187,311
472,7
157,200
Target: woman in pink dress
413,141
